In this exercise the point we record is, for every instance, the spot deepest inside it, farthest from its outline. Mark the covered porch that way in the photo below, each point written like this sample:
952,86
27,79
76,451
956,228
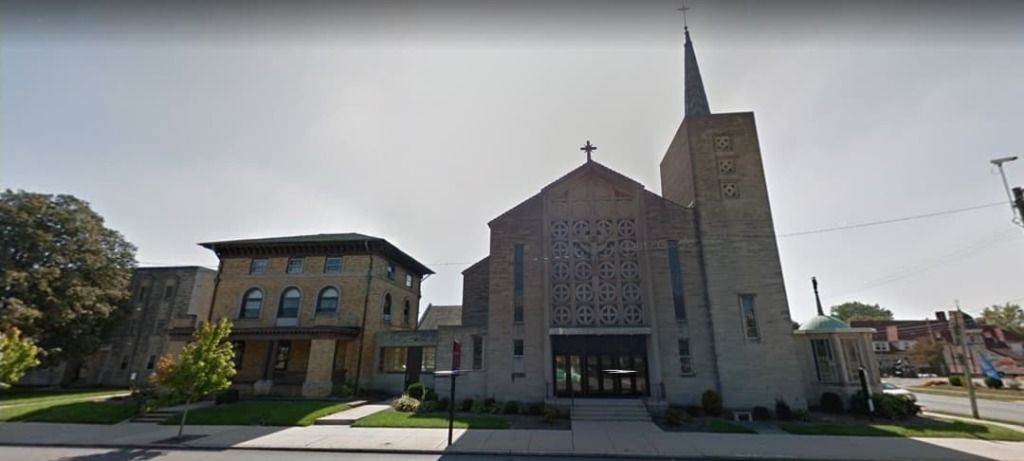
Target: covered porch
291,361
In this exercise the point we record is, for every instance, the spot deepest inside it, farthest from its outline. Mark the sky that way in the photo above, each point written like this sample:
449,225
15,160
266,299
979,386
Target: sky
419,122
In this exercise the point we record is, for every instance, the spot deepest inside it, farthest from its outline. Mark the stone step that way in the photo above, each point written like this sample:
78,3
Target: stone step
611,418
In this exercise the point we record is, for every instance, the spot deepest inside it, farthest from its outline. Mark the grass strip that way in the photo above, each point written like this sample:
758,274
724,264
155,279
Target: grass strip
75,412
392,418
261,413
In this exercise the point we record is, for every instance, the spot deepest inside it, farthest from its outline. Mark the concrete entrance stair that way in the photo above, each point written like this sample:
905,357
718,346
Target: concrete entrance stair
610,410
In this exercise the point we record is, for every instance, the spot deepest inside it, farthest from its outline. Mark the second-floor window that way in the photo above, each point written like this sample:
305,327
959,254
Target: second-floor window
390,270
328,300
295,265
289,307
387,307
332,265
252,302
406,310
408,280
258,265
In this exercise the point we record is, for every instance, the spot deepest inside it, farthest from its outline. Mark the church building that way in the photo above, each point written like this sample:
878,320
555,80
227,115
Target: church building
598,287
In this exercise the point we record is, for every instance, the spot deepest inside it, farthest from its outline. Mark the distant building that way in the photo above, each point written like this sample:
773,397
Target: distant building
893,340
161,297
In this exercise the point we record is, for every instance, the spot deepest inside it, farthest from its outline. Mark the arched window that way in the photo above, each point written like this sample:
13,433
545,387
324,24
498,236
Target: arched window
289,306
405,313
252,302
328,300
387,307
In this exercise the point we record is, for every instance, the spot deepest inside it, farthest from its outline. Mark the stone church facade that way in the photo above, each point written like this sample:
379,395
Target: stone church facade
597,287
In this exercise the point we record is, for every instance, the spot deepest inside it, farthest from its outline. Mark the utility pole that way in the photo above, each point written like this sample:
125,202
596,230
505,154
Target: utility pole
960,327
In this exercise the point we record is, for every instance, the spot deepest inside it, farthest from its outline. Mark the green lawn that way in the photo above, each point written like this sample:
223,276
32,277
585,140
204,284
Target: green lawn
74,406
727,427
392,418
983,393
262,413
956,429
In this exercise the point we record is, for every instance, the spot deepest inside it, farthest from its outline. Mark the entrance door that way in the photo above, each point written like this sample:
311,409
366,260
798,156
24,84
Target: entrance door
600,366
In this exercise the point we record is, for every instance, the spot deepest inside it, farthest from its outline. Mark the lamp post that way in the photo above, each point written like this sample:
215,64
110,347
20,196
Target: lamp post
998,162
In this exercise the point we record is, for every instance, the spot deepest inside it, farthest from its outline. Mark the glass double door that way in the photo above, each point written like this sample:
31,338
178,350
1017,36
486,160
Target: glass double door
597,365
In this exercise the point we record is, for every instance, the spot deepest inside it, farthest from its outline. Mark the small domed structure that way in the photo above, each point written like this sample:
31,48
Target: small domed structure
823,323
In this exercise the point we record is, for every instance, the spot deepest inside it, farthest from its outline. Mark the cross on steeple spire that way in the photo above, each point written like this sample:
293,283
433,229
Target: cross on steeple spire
588,148
696,102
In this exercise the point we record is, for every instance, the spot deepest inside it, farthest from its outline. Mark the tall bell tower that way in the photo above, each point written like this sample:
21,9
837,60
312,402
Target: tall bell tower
714,167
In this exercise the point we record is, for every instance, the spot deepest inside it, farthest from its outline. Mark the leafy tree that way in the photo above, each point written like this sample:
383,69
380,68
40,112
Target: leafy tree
859,311
1008,317
17,355
204,366
927,352
64,277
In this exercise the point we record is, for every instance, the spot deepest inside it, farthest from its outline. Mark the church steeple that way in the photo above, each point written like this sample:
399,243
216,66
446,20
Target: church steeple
696,100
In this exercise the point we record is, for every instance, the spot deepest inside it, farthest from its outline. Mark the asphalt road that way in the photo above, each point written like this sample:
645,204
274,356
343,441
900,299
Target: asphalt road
993,409
132,454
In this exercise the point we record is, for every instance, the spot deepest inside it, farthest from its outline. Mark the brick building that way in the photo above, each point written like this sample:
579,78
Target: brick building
307,310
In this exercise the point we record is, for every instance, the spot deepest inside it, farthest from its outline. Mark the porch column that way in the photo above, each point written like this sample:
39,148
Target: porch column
266,382
320,369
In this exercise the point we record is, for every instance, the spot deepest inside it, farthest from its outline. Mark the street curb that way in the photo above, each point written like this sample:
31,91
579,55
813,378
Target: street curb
164,446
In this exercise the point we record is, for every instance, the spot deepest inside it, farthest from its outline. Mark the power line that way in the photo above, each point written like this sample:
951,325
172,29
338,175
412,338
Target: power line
890,221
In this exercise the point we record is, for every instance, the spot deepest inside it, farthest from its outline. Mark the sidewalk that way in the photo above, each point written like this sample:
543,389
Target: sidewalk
627,440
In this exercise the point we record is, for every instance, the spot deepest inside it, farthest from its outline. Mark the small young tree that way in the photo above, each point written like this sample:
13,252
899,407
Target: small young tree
17,355
203,367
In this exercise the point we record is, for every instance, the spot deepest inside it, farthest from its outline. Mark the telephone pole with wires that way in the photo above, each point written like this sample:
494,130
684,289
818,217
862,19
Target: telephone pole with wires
960,325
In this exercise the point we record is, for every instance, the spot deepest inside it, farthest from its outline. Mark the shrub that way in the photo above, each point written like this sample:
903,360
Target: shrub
711,402
478,407
511,407
694,411
406,404
467,405
443,404
831,403
782,410
993,383
761,414
417,391
551,414
801,415
675,416
956,380
430,395
428,406
857,403
536,409
894,407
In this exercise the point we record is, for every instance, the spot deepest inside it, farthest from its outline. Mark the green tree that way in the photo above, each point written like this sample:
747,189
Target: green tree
854,310
204,366
1008,317
64,276
17,355
927,352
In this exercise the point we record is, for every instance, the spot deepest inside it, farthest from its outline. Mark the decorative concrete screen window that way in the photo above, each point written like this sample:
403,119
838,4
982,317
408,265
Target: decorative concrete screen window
730,190
749,317
258,265
332,265
723,144
726,166
295,265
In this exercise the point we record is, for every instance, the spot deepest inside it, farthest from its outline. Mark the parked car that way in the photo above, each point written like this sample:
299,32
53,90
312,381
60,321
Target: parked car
892,389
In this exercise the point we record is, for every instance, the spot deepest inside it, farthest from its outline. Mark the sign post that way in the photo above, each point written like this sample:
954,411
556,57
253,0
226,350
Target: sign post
456,364
864,389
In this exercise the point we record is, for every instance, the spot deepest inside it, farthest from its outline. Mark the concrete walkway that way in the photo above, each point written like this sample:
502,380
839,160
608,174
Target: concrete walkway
349,416
627,440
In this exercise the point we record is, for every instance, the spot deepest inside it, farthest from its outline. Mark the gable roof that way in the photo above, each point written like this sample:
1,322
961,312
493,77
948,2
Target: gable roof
436,316
350,242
